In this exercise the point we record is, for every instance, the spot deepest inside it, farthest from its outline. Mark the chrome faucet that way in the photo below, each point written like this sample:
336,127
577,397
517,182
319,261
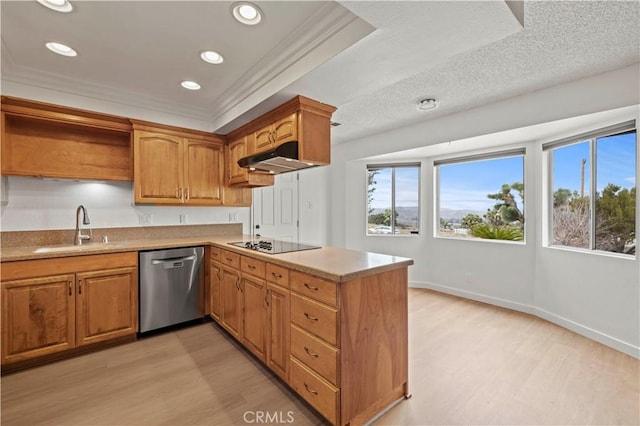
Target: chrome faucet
79,236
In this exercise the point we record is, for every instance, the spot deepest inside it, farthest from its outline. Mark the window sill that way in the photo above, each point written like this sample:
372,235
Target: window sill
482,240
592,252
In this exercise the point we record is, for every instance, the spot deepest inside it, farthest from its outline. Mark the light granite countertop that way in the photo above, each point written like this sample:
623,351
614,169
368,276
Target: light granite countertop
331,263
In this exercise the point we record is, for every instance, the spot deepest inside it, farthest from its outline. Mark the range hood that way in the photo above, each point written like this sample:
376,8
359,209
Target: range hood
282,159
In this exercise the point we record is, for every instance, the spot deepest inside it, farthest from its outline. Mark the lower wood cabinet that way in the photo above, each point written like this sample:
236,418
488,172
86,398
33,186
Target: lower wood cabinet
341,346
231,302
54,305
278,336
254,314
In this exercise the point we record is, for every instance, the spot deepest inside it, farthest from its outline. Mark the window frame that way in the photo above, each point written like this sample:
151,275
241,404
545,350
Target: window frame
590,137
393,167
471,158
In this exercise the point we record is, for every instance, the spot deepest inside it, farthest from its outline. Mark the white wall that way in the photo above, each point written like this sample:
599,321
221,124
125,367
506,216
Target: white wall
36,204
312,201
593,294
33,204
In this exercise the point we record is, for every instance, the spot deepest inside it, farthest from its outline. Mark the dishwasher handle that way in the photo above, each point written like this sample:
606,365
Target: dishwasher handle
173,262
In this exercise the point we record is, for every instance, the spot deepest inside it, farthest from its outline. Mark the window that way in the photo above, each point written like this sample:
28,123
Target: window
393,199
593,190
482,196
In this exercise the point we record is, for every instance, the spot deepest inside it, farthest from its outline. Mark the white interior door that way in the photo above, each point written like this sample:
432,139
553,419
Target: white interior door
275,209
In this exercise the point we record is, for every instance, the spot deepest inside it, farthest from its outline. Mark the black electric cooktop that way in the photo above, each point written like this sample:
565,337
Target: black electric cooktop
272,246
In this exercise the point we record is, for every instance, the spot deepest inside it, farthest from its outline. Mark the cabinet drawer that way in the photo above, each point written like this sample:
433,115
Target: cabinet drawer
316,288
278,275
252,266
230,259
215,254
316,391
315,318
322,358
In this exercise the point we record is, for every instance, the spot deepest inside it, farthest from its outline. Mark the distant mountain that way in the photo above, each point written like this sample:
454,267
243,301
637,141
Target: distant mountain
455,216
409,215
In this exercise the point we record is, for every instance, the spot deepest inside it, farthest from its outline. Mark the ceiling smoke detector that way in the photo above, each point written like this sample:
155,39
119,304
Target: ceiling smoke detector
427,104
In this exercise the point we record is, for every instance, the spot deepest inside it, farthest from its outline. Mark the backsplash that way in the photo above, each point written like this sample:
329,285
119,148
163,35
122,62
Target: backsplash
44,204
65,236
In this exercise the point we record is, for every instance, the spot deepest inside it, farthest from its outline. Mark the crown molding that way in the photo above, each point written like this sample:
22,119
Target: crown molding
301,51
332,29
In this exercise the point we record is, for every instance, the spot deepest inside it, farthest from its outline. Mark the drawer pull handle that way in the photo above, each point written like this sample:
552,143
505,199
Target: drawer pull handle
251,267
229,259
310,352
310,317
70,291
276,275
306,386
80,287
311,287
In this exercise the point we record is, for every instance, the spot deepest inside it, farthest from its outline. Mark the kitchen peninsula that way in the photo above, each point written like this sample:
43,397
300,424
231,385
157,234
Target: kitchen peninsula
330,322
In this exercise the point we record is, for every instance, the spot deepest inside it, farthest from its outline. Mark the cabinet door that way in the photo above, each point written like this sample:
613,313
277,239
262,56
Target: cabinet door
278,330
106,304
237,150
255,315
203,172
231,309
262,140
285,130
38,317
215,277
158,168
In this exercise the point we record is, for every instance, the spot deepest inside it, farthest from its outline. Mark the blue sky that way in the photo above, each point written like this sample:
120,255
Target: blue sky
464,186
407,188
616,163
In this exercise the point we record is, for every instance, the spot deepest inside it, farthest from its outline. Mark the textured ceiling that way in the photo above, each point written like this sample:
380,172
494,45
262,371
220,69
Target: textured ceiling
372,59
561,41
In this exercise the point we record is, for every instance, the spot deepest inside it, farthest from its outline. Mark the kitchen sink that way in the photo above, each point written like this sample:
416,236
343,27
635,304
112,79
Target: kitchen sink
72,248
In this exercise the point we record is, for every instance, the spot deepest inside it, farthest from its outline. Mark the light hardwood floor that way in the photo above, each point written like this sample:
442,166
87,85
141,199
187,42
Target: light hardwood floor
470,363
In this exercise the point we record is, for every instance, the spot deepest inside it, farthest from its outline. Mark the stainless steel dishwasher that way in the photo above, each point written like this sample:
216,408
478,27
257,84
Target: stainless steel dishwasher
171,287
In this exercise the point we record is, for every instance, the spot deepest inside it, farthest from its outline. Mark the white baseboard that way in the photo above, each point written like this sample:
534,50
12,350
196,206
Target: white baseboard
580,329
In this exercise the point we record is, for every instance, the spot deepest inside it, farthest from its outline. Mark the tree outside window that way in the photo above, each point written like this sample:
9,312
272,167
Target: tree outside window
594,193
482,197
393,199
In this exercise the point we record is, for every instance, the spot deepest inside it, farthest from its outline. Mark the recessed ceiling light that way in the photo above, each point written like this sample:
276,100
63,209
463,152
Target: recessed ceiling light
211,57
247,13
191,85
427,104
61,49
58,5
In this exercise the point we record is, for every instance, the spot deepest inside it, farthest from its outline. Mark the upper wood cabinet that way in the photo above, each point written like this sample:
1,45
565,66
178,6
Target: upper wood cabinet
177,166
300,119
239,176
280,131
45,140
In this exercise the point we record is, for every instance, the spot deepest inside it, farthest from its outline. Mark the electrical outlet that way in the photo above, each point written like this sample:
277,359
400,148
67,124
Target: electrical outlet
183,218
233,217
145,219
